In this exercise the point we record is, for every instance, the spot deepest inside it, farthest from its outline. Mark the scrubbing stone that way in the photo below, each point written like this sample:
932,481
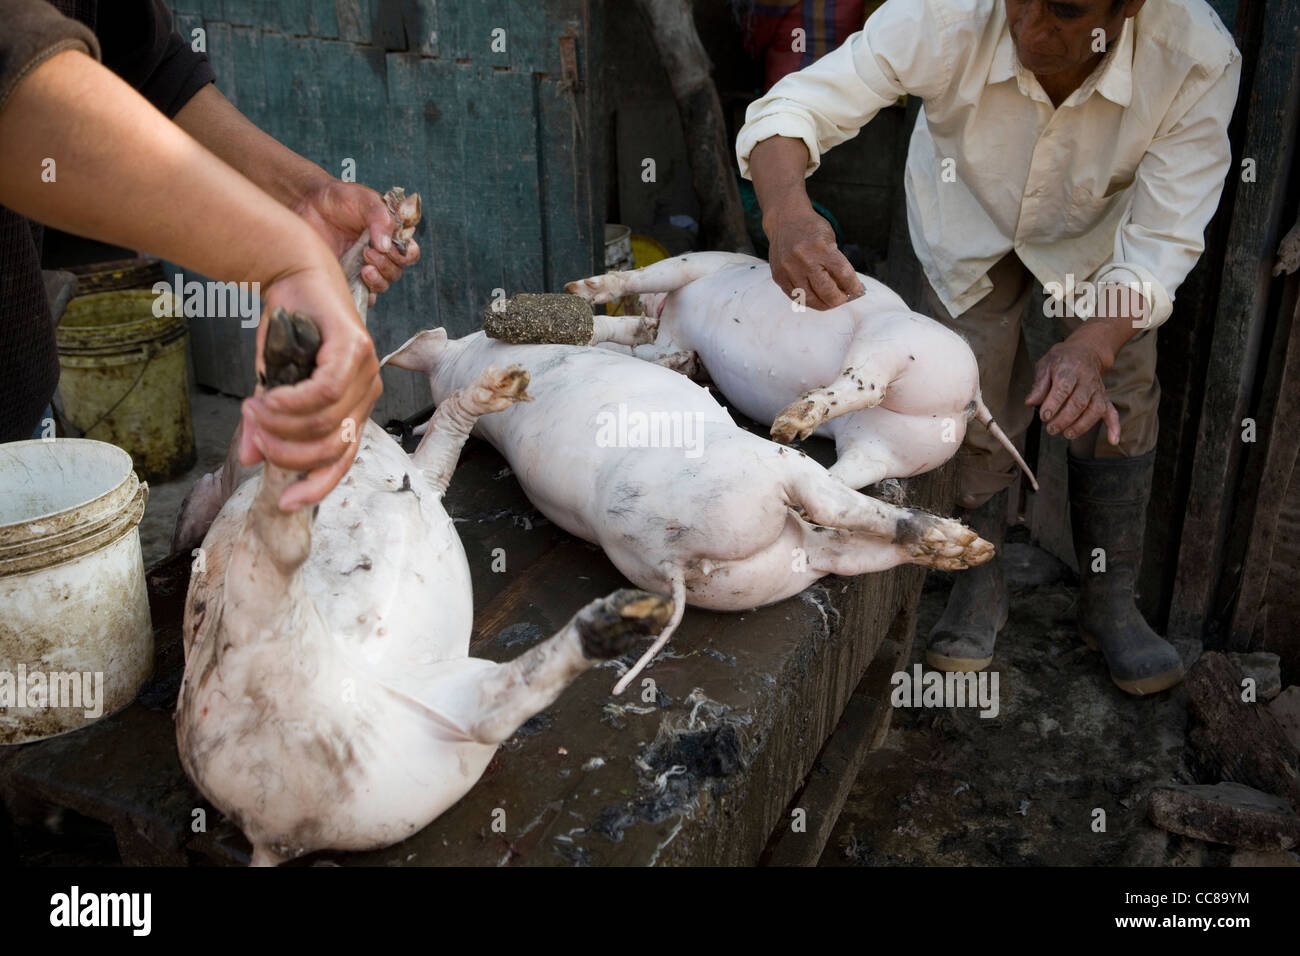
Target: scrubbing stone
531,318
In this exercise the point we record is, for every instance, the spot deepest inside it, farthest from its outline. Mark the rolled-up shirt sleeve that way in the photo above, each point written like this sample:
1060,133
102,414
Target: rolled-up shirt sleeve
141,46
1176,191
33,32
827,103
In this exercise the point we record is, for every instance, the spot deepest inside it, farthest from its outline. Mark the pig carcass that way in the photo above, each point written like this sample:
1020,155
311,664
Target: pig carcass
328,700
646,463
894,389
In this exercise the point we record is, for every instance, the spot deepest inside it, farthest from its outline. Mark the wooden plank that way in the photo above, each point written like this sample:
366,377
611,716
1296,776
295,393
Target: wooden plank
245,13
323,20
1276,474
294,17
1257,227
485,220
861,729
519,205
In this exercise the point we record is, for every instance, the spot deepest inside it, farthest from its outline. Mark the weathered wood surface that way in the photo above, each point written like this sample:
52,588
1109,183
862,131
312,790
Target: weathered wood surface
502,144
743,702
1243,741
1226,813
1268,601
1241,320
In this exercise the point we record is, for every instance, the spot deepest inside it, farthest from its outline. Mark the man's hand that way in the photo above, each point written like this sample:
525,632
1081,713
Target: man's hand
1068,385
340,212
1067,380
802,250
803,255
314,426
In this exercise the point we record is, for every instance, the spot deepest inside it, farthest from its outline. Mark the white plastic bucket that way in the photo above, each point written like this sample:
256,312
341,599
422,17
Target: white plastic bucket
76,642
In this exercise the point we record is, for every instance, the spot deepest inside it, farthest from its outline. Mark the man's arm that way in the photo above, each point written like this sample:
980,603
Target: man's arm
901,49
125,174
1178,186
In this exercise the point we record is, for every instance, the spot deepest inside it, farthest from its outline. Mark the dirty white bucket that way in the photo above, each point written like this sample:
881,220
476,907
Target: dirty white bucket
76,642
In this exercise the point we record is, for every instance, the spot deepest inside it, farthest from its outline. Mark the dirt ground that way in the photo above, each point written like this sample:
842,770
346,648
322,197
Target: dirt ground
950,788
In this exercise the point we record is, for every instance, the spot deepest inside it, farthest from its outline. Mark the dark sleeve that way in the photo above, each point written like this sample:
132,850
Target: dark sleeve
32,32
141,46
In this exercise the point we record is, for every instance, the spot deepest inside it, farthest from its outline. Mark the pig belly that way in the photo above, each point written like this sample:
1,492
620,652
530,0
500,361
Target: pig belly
651,509
321,773
759,351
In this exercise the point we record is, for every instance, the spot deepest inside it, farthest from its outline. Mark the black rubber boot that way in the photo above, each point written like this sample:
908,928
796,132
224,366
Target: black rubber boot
1108,510
962,640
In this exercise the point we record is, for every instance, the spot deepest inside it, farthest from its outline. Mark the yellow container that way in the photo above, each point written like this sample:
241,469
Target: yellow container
124,379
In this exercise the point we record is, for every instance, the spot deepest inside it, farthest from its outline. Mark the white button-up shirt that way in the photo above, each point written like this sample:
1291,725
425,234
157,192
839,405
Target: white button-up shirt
1116,185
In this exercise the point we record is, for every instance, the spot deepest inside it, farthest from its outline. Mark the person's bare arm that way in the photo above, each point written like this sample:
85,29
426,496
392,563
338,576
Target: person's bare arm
802,251
124,174
337,210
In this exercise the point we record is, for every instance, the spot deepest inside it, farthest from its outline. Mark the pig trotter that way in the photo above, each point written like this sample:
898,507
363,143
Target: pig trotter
494,390
292,341
800,419
498,389
941,543
610,627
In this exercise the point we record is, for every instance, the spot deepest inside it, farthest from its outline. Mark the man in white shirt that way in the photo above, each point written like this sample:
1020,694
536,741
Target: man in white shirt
1082,143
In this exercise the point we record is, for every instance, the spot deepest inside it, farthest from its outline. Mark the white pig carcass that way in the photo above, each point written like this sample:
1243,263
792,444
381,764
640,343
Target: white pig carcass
893,388
328,700
646,463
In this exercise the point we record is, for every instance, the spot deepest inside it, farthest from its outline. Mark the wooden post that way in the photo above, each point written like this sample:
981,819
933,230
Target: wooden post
713,171
1274,104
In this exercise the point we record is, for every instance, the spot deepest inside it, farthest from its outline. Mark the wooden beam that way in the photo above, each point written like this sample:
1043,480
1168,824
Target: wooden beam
1274,104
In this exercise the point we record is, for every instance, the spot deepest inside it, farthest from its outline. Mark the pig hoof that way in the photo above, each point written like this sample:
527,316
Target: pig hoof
799,420
289,355
611,626
496,390
940,543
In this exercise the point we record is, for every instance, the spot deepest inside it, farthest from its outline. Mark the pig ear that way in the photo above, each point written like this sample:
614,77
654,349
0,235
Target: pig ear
420,352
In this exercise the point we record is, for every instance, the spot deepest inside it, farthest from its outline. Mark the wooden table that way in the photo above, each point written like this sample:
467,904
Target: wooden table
735,760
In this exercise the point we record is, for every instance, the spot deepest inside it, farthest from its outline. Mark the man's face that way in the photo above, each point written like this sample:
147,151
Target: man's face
1053,36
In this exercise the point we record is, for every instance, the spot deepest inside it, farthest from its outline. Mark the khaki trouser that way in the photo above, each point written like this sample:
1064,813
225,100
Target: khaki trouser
992,327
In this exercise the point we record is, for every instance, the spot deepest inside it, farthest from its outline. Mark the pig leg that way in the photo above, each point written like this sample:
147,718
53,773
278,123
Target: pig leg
608,627
201,505
667,275
445,434
288,357
867,373
919,537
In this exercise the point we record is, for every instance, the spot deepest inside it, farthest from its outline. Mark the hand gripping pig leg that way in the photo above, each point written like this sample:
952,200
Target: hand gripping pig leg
862,384
919,537
608,627
288,357
405,211
679,608
494,390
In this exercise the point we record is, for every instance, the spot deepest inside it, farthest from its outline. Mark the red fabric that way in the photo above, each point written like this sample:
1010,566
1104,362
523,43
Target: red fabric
770,32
